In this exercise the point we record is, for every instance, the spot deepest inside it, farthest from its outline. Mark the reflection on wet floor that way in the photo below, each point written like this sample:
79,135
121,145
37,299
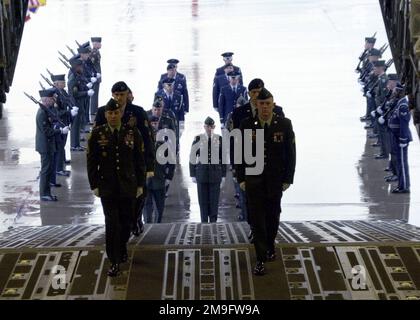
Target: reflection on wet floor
305,51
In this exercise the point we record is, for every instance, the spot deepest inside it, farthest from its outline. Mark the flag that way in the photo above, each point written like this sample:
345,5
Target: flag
33,6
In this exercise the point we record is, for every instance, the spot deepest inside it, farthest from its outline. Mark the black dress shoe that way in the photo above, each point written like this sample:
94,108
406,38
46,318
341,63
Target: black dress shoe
138,229
259,269
124,258
391,178
387,169
114,270
271,256
49,198
67,161
369,126
376,144
63,173
398,190
56,185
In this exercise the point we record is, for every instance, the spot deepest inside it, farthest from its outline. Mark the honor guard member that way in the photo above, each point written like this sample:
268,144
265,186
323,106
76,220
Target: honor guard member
381,92
227,58
208,171
90,74
133,116
229,95
95,57
180,84
45,143
116,172
67,111
363,58
172,99
399,124
220,82
264,191
366,78
78,87
163,175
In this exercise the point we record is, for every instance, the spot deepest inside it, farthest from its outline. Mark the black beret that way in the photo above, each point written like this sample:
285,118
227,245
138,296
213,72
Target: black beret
173,61
255,84
264,94
209,121
171,66
119,86
83,50
58,77
112,105
227,54
168,80
96,39
393,77
375,52
49,93
370,40
379,63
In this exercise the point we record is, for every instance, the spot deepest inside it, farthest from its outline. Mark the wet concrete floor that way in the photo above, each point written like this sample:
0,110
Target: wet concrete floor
305,51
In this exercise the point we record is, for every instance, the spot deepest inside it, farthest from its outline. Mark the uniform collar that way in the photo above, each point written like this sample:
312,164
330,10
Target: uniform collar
112,129
268,121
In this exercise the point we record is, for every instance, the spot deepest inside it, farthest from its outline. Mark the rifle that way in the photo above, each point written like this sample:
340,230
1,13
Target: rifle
59,90
42,87
387,65
383,48
49,72
47,80
363,56
63,56
78,44
71,50
48,111
65,63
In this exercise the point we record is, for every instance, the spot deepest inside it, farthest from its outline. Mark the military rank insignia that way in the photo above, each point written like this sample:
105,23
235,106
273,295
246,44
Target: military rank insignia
278,137
103,141
129,139
132,122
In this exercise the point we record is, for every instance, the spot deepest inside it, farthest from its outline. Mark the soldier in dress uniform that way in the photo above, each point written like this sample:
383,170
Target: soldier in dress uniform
90,73
208,170
135,117
78,87
163,174
220,82
399,125
264,191
180,84
95,57
228,58
229,95
116,172
45,143
172,99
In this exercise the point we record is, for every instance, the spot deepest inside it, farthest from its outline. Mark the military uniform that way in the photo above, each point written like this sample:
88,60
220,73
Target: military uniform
401,137
381,92
173,102
208,175
116,167
220,71
180,85
264,191
227,99
96,62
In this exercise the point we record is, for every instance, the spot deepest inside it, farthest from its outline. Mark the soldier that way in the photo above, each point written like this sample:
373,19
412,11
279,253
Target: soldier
91,74
227,58
79,90
180,84
172,99
208,173
220,82
380,92
264,191
45,143
163,174
398,123
133,116
363,58
366,79
67,111
116,171
95,57
229,95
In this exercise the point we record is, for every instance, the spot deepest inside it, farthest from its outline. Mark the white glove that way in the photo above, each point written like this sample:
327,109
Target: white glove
381,120
368,95
89,85
75,108
96,192
139,192
93,79
373,113
167,182
222,183
150,174
286,186
91,93
64,130
242,186
74,113
379,110
194,180
403,145
98,75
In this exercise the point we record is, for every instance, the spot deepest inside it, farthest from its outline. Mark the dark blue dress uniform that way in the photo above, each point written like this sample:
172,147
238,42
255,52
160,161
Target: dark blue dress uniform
45,145
96,61
77,88
115,166
218,84
180,85
208,175
227,99
398,124
89,73
264,191
220,71
173,102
